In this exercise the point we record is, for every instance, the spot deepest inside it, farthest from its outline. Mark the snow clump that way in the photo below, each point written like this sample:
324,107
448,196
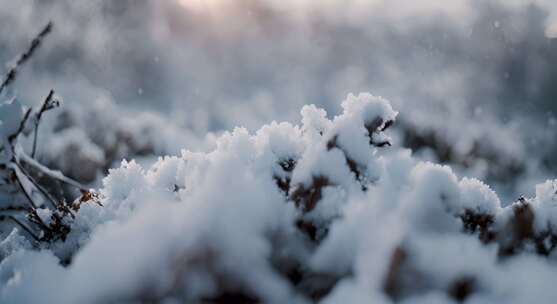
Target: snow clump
322,212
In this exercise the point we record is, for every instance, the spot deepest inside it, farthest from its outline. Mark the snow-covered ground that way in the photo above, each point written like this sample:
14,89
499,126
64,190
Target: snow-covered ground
322,211
168,113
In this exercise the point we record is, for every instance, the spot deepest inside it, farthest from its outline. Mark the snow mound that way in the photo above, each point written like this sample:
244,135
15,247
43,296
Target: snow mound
326,211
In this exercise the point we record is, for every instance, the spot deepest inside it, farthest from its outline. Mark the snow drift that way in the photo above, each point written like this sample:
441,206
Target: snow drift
325,211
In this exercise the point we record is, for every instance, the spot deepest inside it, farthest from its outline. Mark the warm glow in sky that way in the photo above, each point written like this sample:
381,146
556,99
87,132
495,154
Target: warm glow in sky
200,5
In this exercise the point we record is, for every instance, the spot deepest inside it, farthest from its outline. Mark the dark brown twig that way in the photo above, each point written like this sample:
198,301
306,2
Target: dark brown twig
21,127
35,43
48,104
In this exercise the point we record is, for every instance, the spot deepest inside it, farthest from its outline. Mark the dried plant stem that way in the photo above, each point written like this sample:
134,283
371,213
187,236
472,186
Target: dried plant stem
47,104
37,185
19,223
35,43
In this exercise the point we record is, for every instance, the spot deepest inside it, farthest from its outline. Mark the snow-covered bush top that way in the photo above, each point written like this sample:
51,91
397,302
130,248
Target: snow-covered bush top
325,211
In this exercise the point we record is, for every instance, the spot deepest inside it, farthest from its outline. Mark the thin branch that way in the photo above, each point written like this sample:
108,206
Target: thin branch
21,127
13,209
57,175
48,104
35,43
29,198
27,195
22,225
38,186
35,140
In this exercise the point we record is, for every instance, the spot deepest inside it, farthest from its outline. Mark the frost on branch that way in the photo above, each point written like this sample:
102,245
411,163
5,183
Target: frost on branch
27,200
322,212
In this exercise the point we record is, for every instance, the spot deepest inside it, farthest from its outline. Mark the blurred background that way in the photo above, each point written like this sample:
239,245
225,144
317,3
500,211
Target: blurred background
475,81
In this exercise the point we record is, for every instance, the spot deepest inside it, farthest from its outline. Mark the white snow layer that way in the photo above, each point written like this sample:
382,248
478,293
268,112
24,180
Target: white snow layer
317,212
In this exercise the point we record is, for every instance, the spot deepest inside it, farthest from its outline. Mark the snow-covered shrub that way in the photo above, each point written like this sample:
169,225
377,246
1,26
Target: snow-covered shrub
325,211
28,199
85,140
90,133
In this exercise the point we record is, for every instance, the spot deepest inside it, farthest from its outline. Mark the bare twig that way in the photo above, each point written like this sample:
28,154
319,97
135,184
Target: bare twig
22,225
48,104
33,204
24,191
38,186
32,216
13,209
21,127
35,43
52,174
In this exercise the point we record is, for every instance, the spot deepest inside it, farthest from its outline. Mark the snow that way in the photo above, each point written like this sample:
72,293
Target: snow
12,243
259,209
